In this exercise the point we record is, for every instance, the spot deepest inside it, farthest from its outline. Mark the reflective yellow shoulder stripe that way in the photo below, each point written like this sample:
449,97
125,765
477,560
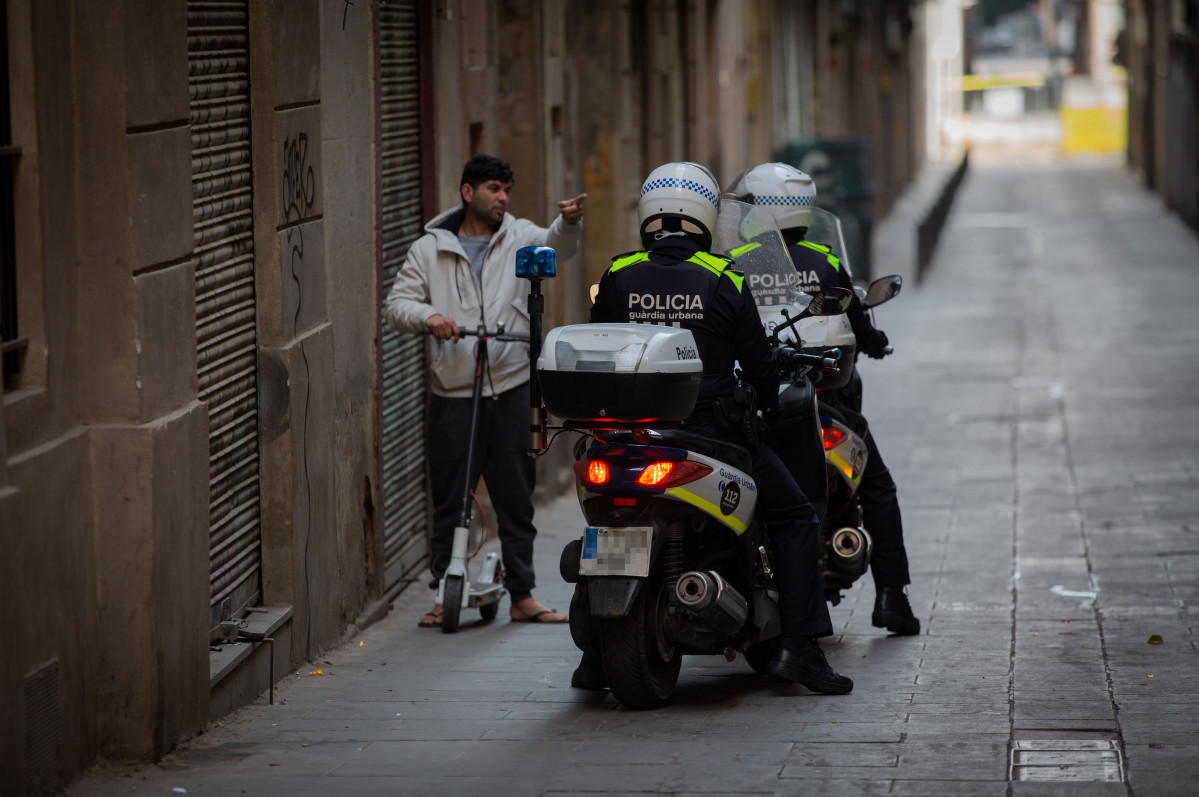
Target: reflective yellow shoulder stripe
740,250
711,262
628,260
718,266
824,250
714,511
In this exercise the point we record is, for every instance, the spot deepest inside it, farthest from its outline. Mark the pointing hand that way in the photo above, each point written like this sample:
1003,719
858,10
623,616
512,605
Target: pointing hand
572,209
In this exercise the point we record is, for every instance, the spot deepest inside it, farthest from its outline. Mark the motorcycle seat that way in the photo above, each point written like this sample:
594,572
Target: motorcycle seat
733,454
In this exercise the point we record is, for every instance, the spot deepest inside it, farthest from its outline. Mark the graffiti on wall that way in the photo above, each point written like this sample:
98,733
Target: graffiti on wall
299,195
299,181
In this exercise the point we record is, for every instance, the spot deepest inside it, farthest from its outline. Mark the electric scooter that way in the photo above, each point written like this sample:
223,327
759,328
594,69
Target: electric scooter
455,590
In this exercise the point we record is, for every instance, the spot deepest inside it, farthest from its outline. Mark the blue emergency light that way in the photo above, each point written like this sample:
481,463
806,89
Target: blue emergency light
536,262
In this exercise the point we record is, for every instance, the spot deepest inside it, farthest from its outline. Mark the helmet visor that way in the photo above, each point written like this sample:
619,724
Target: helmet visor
825,228
748,235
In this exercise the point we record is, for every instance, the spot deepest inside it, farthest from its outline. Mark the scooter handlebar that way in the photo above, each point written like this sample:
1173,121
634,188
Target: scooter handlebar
493,334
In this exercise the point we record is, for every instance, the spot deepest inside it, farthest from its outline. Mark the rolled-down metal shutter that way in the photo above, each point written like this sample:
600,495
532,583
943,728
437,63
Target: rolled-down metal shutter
219,81
402,404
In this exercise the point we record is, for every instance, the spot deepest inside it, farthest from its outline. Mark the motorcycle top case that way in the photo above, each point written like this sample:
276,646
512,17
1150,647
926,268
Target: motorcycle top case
619,372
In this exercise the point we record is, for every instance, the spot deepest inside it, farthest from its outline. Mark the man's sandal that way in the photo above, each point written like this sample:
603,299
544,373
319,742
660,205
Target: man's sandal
535,618
432,619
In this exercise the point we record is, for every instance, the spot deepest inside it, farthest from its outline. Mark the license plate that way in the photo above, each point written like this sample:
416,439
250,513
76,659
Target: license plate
616,551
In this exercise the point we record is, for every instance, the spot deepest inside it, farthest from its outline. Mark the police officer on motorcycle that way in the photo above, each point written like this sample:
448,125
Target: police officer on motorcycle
789,194
677,213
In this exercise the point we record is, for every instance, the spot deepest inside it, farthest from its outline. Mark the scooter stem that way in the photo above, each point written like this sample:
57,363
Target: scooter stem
480,369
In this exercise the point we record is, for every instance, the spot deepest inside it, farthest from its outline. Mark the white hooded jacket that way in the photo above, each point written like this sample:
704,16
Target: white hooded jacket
436,278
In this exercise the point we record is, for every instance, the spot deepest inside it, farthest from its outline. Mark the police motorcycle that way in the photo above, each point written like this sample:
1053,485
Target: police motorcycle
845,543
671,561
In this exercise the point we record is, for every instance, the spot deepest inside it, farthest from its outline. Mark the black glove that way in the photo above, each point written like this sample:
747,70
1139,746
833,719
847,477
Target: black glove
876,348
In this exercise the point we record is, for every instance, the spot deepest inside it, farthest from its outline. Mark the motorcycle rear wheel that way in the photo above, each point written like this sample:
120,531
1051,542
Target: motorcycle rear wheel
452,607
641,665
759,654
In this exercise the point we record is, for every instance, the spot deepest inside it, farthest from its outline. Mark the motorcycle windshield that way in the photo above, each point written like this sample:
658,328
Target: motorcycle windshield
825,228
749,235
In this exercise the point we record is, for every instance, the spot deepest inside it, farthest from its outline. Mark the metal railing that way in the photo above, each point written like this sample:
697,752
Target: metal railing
928,231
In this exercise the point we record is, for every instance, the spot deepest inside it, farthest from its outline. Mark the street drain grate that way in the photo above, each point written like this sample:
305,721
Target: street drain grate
1071,760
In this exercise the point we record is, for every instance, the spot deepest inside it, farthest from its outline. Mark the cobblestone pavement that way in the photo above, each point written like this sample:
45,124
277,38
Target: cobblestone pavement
1040,415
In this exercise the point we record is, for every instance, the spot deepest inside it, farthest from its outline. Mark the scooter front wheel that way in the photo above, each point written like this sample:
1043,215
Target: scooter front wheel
452,604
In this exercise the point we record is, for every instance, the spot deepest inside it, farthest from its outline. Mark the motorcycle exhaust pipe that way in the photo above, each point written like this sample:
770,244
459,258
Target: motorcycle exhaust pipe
712,600
849,552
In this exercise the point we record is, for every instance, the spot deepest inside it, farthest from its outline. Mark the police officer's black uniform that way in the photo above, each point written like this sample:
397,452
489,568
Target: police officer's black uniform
700,292
819,268
713,302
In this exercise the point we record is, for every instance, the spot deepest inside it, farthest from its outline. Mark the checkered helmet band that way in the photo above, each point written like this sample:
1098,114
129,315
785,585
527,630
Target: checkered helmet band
801,201
780,188
687,185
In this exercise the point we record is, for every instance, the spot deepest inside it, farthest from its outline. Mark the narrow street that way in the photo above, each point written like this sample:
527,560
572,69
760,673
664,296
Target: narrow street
1040,417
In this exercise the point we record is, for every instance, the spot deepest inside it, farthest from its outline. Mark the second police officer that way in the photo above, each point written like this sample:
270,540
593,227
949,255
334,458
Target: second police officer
790,194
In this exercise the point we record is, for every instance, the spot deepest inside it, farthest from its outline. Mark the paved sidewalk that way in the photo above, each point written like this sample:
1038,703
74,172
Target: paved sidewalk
1041,417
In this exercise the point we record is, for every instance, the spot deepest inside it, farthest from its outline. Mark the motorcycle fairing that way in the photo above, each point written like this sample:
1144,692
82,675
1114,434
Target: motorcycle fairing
727,494
849,455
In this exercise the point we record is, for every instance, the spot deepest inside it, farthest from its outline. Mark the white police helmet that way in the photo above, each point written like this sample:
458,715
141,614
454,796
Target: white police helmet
679,196
785,191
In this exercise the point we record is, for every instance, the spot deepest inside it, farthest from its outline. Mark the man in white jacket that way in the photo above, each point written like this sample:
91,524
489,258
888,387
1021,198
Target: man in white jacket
463,271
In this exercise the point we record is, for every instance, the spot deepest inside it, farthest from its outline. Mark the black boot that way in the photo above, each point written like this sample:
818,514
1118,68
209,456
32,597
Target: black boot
803,662
590,673
893,612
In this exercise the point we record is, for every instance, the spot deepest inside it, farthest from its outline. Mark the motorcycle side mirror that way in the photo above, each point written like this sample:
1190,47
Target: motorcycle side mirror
594,291
825,302
536,262
883,289
830,301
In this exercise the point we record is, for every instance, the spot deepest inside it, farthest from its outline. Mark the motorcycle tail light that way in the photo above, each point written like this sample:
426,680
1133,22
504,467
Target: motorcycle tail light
832,436
672,474
618,501
597,472
655,474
